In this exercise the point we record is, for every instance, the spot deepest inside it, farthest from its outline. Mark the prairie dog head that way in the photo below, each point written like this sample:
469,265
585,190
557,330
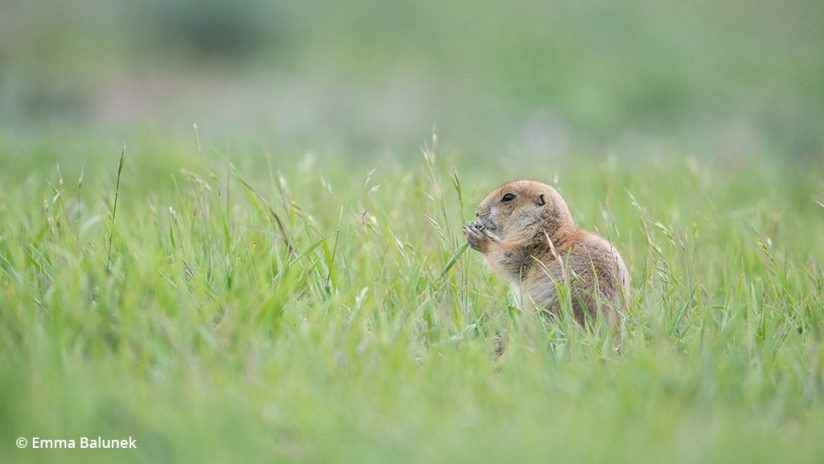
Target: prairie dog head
522,209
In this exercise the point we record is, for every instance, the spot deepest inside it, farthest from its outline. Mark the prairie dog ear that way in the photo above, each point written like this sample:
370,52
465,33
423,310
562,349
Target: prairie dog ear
541,201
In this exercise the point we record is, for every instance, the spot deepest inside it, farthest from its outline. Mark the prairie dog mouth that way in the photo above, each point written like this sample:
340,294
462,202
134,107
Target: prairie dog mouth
487,225
489,229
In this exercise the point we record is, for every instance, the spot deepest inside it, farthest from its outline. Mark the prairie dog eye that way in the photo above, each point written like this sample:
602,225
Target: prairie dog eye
508,197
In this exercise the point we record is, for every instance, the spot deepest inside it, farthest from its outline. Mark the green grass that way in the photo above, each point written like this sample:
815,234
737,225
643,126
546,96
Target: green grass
220,299
194,322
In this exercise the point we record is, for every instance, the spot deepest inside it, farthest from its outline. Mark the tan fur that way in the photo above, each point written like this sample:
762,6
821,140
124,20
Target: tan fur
533,242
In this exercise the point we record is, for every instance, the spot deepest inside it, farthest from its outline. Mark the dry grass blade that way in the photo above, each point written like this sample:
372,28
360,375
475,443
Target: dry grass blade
272,212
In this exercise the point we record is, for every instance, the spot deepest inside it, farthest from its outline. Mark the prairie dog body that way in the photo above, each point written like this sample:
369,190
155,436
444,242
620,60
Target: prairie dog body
527,235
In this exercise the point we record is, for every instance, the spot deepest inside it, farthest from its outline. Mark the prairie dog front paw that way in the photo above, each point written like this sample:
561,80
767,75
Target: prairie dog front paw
476,237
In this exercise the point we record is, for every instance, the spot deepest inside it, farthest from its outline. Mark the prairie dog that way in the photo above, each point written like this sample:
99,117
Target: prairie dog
527,235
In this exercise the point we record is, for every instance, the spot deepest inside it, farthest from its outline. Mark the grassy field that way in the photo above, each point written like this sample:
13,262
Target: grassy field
314,311
284,282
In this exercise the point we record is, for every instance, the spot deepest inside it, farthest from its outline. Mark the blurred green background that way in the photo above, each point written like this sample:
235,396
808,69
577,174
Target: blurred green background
688,133
364,78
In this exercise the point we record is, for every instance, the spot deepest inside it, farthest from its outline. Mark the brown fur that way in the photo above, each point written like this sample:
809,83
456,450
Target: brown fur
533,242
